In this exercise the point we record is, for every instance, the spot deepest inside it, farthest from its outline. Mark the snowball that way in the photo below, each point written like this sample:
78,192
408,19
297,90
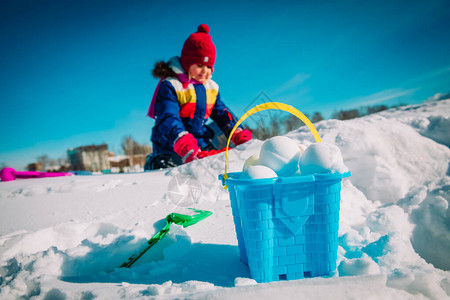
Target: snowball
258,172
251,161
322,158
281,154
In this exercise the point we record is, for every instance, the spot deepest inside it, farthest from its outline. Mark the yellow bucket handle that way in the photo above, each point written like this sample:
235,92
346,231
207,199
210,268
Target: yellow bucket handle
265,106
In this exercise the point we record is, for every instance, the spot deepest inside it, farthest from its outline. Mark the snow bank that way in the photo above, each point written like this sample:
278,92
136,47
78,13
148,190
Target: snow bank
64,238
386,157
431,119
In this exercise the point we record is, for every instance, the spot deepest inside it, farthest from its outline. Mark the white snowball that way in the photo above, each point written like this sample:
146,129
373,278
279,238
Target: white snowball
251,161
322,158
281,154
258,172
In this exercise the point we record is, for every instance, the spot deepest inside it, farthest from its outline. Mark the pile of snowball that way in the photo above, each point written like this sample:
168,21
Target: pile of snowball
281,156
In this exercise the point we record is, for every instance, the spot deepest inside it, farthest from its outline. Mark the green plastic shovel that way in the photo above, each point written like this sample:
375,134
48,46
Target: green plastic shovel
179,219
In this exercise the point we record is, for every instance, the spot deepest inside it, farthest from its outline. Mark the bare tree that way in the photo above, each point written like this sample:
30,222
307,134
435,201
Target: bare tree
376,108
130,147
63,164
291,122
43,160
346,114
317,117
62,161
276,127
51,162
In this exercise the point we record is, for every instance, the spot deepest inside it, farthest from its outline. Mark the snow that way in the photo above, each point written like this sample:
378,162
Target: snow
64,238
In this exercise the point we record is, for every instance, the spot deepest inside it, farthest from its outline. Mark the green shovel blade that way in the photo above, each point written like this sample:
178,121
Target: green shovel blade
179,219
187,220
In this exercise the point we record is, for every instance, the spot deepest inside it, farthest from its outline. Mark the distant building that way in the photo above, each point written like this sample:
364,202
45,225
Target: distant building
119,162
34,167
92,158
127,163
138,159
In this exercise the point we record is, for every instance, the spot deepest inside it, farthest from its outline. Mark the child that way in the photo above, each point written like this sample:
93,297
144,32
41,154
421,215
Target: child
185,98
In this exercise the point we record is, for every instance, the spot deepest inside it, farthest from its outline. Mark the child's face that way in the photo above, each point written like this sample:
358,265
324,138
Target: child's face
201,73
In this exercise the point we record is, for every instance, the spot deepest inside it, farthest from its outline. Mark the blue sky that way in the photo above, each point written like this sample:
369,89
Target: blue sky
76,72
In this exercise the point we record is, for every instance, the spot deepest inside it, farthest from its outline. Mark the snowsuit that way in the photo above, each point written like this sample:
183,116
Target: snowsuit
182,105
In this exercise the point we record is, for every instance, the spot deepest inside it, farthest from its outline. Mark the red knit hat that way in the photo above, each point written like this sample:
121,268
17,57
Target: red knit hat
198,49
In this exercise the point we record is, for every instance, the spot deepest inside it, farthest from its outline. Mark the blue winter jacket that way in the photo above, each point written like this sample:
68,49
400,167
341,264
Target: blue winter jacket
179,108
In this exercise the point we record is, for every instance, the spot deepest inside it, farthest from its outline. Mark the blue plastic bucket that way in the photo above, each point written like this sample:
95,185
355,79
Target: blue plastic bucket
286,227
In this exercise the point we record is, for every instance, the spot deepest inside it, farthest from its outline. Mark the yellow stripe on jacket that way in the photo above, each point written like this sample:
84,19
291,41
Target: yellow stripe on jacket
187,98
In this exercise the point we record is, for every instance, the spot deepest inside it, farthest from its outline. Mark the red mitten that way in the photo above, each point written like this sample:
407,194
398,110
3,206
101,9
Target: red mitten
203,154
242,136
186,147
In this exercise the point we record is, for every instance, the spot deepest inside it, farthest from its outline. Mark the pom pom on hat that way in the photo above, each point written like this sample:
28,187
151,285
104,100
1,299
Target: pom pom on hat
198,49
203,28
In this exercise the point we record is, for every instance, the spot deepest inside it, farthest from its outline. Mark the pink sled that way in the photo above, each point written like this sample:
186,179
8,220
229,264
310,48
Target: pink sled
9,174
